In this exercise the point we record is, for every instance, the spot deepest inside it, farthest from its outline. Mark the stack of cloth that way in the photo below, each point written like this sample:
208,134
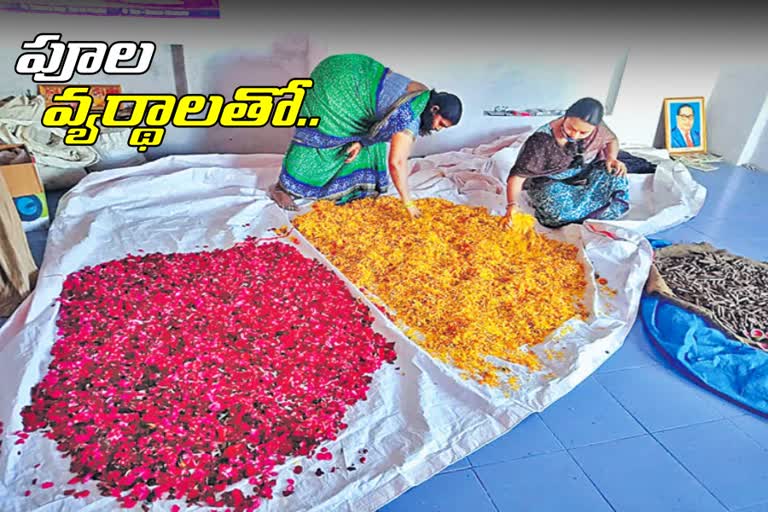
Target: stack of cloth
59,165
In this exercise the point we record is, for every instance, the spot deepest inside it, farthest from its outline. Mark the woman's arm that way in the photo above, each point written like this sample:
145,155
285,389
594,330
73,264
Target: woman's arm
399,152
514,190
612,149
611,152
530,161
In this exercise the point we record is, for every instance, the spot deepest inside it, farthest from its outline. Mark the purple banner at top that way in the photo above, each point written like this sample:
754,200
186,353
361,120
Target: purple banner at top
146,9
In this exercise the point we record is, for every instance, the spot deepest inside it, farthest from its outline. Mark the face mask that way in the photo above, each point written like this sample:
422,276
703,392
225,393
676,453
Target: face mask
567,138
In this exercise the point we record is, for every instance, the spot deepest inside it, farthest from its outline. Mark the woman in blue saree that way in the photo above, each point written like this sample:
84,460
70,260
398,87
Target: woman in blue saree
570,169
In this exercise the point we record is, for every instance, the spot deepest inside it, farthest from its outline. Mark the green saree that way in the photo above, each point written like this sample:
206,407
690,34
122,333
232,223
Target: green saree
347,98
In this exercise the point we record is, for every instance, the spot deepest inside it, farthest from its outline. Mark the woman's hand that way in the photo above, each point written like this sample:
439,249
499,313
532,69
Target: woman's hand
616,167
352,151
506,221
413,210
399,151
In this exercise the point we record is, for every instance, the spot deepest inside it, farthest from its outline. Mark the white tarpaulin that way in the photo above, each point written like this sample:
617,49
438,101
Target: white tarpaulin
415,422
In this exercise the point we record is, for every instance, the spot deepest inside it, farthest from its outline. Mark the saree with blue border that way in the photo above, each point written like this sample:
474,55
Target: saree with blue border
357,99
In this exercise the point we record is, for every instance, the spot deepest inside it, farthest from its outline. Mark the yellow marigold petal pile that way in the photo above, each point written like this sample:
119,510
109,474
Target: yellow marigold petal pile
471,289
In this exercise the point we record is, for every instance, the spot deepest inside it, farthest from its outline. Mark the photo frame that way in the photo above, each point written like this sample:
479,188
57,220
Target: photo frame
685,125
98,92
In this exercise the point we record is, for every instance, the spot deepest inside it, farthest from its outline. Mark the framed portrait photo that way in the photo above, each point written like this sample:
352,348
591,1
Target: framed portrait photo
685,125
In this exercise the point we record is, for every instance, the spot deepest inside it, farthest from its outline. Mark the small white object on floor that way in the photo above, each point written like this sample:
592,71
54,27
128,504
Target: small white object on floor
699,161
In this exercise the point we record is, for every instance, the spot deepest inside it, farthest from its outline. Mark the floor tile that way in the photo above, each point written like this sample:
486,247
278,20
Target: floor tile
459,491
551,482
530,437
733,192
458,466
763,507
727,408
589,415
639,475
53,198
738,237
754,426
37,241
636,352
724,459
660,398
682,235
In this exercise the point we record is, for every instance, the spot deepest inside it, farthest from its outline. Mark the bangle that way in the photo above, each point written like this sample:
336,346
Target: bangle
511,203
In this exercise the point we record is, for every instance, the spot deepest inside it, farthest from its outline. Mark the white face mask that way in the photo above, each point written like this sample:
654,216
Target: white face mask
567,137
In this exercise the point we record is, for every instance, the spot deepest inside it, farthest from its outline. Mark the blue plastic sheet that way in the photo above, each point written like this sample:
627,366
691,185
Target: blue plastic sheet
704,354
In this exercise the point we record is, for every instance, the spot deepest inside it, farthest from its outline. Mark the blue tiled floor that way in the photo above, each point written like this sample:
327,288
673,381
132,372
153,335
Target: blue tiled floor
638,474
724,459
528,439
636,436
551,482
590,414
457,491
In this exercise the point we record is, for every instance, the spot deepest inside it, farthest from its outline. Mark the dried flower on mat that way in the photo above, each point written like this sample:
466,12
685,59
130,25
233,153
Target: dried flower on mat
176,375
466,289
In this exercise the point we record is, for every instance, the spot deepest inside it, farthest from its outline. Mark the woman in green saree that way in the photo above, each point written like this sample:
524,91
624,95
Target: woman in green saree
361,105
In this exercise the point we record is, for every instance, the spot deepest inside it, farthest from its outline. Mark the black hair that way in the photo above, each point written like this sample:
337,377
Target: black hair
591,111
681,107
587,109
449,106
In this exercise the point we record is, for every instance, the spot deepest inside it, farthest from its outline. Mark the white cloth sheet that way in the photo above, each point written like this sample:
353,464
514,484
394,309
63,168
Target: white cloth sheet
413,424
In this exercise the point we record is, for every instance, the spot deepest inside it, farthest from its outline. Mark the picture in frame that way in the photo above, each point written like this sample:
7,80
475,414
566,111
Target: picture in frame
685,125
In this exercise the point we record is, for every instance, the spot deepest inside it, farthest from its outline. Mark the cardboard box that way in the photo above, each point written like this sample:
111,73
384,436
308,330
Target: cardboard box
23,182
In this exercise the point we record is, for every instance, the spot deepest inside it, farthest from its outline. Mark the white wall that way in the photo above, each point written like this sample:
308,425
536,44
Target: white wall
759,158
265,61
499,68
756,152
735,104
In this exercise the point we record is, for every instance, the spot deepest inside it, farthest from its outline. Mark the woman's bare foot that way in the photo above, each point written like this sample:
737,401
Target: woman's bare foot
282,198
